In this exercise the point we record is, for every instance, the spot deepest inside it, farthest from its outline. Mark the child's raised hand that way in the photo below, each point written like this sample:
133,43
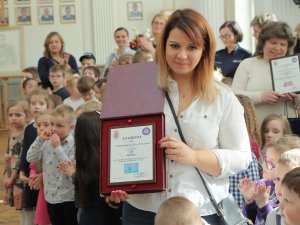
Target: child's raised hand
45,134
247,188
67,168
262,194
55,140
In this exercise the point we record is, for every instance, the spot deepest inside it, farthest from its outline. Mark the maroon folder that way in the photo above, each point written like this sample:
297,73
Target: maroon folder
132,100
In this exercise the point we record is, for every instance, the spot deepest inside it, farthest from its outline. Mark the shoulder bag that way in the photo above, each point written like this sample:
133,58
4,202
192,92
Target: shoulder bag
228,211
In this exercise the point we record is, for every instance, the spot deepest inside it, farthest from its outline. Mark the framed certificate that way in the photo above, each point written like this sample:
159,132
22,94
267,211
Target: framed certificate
131,159
286,74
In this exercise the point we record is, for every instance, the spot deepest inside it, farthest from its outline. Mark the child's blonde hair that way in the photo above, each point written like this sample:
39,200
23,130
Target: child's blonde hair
24,105
69,82
290,158
125,59
66,112
43,94
285,143
178,211
88,106
58,68
284,122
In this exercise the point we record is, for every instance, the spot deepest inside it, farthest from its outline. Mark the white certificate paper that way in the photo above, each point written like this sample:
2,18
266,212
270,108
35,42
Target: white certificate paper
286,74
131,154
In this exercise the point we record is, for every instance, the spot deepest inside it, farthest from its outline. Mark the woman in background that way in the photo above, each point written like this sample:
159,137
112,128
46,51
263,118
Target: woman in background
253,76
227,60
54,53
121,36
157,26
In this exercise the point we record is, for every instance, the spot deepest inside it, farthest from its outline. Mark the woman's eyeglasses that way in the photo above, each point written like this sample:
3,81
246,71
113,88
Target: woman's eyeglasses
225,37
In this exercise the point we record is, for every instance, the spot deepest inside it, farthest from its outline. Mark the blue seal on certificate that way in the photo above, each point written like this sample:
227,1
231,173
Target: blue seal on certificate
146,131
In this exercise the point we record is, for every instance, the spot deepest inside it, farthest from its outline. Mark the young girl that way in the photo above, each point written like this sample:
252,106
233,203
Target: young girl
273,127
39,101
42,123
94,209
17,115
259,196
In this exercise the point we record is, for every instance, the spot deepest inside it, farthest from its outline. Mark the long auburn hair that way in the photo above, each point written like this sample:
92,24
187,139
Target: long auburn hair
87,145
199,31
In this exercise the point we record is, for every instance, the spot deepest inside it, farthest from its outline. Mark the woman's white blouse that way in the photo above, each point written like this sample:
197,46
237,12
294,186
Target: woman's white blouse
219,126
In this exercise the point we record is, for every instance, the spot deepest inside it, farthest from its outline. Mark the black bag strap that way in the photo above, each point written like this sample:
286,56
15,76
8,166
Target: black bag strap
212,199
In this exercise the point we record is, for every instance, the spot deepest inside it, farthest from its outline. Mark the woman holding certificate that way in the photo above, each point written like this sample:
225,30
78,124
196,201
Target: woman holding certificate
210,117
253,77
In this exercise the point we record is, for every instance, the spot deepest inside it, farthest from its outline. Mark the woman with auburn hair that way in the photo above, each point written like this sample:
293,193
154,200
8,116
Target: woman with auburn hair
54,53
210,116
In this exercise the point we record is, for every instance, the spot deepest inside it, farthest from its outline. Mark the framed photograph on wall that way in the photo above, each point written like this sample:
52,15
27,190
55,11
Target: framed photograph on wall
67,14
12,50
5,20
22,1
23,15
45,14
45,1
135,10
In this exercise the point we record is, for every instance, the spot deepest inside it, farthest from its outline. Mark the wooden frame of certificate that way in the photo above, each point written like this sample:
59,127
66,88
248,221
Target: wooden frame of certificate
131,158
286,74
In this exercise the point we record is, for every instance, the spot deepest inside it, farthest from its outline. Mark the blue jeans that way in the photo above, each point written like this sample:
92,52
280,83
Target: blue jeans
134,216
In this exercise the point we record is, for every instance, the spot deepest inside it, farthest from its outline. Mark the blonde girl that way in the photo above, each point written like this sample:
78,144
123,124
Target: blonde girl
17,115
39,101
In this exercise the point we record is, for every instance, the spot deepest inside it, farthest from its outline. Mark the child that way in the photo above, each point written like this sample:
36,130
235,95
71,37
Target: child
75,99
30,72
142,56
53,147
88,106
87,59
125,59
290,205
91,71
99,88
17,114
56,78
85,86
260,196
39,101
274,126
94,209
287,161
29,85
43,124
178,211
